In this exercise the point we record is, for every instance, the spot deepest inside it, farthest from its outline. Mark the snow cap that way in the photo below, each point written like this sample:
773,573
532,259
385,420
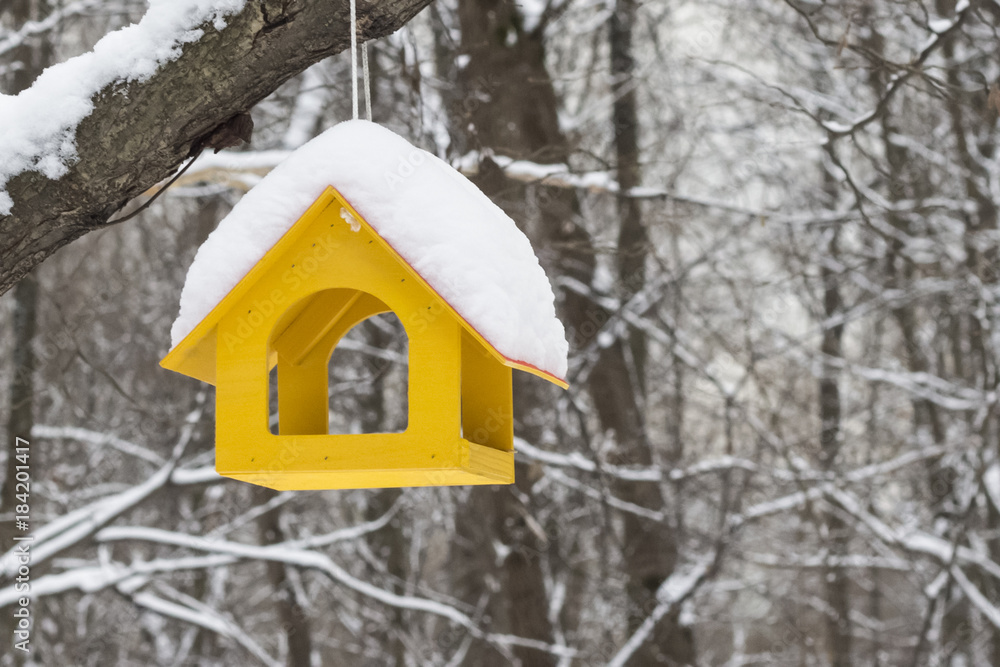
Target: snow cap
466,248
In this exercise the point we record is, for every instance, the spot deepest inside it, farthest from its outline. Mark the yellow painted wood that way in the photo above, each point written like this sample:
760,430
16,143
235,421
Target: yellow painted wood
321,313
487,397
292,308
303,403
195,354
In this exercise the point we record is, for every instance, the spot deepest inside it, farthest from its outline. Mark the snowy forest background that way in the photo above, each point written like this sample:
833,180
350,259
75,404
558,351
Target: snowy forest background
772,232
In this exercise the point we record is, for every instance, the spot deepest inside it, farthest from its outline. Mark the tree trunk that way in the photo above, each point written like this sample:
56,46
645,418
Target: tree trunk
633,240
34,57
650,555
838,633
22,382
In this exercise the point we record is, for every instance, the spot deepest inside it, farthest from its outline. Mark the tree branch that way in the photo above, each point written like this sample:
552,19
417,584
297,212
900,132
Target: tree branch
140,131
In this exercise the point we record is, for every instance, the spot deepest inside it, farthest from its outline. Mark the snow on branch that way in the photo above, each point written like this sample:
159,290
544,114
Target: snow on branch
577,461
603,496
917,542
204,618
72,528
976,596
768,508
14,39
86,436
674,590
855,561
557,650
941,31
288,554
242,170
160,536
237,170
192,476
930,387
284,553
991,482
98,577
130,578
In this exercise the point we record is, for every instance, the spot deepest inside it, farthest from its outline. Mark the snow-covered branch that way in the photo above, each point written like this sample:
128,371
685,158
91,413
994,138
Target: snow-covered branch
97,440
72,528
100,129
222,552
674,590
204,618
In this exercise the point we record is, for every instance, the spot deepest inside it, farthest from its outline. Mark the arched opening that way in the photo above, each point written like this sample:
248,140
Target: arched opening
369,378
339,364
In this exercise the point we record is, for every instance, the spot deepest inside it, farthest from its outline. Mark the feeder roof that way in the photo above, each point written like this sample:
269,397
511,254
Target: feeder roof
462,244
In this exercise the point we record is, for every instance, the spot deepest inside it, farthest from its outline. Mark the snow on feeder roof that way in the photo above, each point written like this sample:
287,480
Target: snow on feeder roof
463,245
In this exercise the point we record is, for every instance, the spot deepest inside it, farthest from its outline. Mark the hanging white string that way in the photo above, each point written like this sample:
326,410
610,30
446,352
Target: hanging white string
354,57
368,86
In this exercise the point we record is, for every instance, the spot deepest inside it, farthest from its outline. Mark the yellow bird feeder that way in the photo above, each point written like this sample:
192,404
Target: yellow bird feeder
328,272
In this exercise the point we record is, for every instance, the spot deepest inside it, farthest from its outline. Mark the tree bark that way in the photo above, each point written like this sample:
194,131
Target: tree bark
34,57
140,132
633,240
650,554
22,383
836,580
